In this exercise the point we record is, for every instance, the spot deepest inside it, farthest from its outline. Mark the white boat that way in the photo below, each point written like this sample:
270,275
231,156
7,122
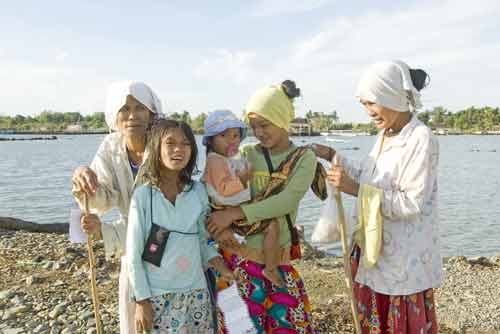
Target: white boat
343,134
336,140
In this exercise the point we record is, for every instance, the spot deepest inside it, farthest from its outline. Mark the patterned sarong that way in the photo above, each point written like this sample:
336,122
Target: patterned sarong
273,310
182,313
385,314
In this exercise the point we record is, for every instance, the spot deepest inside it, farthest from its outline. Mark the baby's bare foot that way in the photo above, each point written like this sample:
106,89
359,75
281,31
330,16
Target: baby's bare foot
273,275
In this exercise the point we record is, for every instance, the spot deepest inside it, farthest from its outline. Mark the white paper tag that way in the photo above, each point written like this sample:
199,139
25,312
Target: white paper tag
236,317
76,234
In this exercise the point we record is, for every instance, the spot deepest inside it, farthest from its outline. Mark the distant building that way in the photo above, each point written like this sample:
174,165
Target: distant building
447,131
300,127
74,128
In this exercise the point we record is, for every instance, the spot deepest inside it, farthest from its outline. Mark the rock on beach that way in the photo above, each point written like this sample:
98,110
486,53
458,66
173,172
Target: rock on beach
44,289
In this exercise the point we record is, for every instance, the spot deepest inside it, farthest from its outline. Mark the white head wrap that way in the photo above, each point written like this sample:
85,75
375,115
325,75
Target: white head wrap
389,84
117,97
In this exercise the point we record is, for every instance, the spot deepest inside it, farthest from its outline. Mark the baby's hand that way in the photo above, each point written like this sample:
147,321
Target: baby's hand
244,175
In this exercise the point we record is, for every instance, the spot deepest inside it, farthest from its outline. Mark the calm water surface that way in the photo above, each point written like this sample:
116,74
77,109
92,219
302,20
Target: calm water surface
35,185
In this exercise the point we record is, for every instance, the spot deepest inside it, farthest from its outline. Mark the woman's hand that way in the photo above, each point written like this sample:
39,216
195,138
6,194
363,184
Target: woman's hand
84,179
323,151
218,221
91,224
343,182
143,316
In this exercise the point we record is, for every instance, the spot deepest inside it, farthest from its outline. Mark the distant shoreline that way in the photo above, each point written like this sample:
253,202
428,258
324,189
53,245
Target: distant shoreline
101,132
14,132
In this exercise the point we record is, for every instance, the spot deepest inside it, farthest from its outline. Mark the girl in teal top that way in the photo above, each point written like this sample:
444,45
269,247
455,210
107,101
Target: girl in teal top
167,248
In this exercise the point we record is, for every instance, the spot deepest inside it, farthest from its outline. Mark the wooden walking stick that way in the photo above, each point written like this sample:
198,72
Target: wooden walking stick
92,266
346,255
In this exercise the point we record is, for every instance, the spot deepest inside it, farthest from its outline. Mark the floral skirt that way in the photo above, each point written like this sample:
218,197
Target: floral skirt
182,313
386,314
273,310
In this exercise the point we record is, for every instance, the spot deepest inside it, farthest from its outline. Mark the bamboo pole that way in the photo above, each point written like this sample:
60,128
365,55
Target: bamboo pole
93,274
346,255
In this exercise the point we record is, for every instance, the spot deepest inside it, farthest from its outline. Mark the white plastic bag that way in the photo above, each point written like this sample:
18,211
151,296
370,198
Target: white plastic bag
76,234
327,228
236,317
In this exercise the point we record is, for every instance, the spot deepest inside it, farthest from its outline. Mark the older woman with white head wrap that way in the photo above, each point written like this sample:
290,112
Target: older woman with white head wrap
396,255
118,93
108,183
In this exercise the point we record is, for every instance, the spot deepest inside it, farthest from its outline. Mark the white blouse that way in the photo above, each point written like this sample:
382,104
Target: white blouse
406,170
116,184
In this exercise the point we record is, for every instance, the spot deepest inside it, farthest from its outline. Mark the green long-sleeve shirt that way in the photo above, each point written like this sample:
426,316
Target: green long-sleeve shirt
285,202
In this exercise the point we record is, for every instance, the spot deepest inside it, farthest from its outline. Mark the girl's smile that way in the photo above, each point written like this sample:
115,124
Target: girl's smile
175,150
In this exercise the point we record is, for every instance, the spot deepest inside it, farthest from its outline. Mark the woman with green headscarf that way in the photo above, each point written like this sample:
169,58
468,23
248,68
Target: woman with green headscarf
272,308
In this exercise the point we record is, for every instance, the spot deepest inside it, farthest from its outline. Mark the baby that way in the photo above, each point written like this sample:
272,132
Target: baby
227,174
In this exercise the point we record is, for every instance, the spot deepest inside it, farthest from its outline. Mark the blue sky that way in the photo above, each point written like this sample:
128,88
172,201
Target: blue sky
202,55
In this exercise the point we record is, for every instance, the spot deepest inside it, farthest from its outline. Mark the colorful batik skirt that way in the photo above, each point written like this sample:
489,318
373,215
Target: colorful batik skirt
386,314
182,313
273,310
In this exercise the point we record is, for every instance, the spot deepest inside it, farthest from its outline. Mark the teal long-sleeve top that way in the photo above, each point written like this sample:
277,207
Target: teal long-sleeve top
185,256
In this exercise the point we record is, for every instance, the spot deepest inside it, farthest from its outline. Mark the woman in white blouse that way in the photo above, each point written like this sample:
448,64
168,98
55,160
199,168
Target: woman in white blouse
394,292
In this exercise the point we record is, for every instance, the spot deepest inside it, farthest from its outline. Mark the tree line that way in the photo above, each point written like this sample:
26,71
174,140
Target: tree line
49,120
324,122
470,119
